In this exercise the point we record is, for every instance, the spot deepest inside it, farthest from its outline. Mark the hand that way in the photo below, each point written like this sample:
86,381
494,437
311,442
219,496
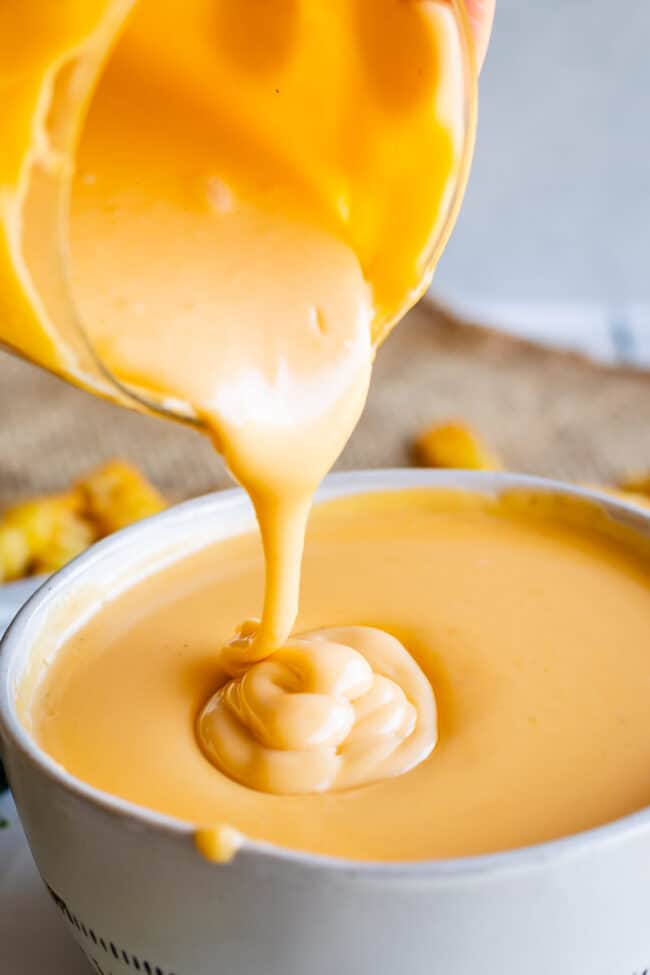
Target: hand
481,15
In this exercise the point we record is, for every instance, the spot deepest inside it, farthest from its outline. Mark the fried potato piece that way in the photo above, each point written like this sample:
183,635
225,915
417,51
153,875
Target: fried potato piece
116,495
454,444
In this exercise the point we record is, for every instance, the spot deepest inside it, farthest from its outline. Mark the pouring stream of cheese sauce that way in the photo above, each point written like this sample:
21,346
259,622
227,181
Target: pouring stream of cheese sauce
259,310
252,206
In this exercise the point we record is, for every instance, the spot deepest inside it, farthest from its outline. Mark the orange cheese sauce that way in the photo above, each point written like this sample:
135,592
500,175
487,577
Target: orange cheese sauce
244,224
221,209
252,207
531,622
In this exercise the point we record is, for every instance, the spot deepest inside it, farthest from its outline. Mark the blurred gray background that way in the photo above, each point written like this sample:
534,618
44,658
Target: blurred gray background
558,207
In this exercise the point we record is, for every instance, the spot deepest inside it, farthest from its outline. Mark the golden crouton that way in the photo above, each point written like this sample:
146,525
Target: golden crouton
116,495
453,444
73,535
42,534
14,553
638,483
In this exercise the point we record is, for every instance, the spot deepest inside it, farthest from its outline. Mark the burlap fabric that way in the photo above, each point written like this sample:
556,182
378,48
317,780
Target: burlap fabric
545,412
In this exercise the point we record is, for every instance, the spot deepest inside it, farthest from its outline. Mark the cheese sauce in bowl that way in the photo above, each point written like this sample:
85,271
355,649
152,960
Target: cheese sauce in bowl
524,604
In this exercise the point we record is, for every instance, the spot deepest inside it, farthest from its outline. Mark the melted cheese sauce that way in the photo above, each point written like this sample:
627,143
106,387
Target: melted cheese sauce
238,240
252,205
332,709
242,224
531,621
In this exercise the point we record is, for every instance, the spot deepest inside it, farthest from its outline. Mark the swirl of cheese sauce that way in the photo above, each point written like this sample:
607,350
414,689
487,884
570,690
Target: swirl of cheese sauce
332,709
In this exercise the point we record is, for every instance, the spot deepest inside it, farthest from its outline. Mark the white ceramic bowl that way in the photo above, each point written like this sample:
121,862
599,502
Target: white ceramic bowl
13,595
138,897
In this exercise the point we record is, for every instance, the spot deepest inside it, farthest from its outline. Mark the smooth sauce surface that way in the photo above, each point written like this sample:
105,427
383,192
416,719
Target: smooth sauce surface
532,628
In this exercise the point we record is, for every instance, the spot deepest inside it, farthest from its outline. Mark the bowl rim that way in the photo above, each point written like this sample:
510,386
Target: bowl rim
29,621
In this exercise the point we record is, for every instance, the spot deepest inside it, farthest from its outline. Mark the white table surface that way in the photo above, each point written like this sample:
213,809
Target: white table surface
33,937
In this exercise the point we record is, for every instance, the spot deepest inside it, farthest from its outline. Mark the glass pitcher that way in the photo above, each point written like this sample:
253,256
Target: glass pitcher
47,87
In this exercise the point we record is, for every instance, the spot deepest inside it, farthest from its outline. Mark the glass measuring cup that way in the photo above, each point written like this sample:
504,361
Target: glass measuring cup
50,90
